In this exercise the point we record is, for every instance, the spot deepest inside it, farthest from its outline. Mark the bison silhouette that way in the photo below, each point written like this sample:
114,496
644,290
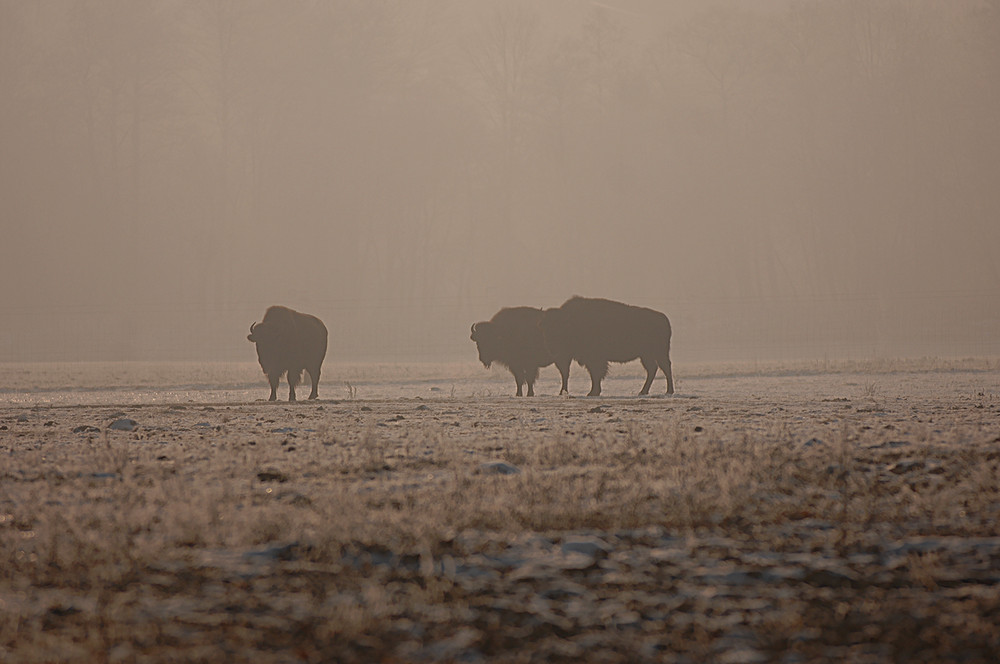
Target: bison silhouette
513,338
595,332
289,342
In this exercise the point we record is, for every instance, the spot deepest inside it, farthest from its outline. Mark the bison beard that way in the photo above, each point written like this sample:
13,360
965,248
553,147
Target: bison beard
289,342
595,332
513,338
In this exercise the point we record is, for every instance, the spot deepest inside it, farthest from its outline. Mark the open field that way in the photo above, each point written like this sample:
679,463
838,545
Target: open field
792,513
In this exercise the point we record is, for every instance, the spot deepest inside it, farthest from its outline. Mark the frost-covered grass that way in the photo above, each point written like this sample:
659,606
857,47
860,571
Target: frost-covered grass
136,383
819,517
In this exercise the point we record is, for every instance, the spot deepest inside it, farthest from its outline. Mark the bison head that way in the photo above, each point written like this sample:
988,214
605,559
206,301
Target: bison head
262,332
487,341
270,346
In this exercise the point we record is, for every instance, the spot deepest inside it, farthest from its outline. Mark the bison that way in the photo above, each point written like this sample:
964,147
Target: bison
289,342
513,338
594,332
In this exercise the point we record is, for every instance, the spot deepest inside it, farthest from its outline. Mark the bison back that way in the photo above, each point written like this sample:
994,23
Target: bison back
304,336
598,329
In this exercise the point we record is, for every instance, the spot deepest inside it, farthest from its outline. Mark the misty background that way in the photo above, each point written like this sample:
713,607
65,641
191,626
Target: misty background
784,179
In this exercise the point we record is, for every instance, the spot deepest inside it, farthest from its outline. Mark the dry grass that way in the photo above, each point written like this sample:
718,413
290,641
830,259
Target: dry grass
859,527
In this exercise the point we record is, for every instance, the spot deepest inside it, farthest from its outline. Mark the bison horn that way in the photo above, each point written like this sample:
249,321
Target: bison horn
252,326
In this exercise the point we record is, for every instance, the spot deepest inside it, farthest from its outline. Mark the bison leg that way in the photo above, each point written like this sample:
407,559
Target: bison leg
294,377
597,370
520,382
272,379
563,367
314,377
664,363
531,375
649,364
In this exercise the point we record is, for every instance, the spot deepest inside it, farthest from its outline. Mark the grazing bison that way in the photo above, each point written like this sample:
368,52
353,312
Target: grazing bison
288,342
594,332
513,338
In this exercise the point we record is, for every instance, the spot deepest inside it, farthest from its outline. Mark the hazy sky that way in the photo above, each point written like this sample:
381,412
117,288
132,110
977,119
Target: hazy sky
783,179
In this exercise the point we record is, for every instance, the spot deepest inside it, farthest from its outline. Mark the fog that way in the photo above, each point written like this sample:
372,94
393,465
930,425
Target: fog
784,179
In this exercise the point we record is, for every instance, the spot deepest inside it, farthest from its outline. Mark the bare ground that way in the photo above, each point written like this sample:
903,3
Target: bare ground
788,514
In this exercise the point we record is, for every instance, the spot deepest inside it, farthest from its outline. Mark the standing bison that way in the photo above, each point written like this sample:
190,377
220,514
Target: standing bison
594,332
513,338
289,342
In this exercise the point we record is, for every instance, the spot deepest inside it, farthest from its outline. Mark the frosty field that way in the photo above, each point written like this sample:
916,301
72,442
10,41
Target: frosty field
790,513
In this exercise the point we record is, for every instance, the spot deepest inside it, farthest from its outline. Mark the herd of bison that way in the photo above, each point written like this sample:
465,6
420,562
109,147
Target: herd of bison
592,331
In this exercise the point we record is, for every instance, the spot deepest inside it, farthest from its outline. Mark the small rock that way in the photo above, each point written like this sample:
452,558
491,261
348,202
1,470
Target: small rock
573,561
903,467
423,407
499,468
61,610
86,428
594,547
272,475
828,578
123,424
283,553
22,418
742,655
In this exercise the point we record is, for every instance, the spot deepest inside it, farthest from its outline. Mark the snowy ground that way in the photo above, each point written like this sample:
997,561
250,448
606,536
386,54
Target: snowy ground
796,512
